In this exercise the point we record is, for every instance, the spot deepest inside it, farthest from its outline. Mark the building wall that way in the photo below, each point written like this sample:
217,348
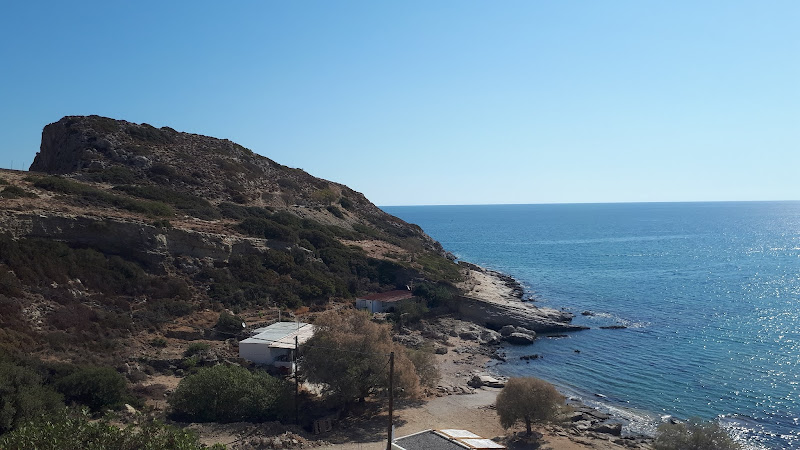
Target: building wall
260,352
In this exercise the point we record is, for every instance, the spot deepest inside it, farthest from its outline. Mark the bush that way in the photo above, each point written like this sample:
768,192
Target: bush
228,323
528,400
229,394
425,366
98,388
335,211
23,397
16,192
195,348
74,431
693,435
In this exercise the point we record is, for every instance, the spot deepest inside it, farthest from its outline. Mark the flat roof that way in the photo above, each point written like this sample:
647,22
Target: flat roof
448,439
281,334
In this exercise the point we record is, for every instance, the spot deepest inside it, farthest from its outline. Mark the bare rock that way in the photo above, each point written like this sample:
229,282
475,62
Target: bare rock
614,429
520,339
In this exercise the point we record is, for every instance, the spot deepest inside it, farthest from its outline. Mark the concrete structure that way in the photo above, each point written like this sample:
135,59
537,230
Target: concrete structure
444,440
273,345
382,302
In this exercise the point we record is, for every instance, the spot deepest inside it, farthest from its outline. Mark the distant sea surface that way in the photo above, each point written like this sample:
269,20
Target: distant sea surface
709,293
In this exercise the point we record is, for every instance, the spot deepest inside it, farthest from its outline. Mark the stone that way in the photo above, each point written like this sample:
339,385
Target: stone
469,335
507,330
614,429
490,337
520,339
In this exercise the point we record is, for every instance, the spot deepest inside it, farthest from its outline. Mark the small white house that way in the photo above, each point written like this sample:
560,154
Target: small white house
444,440
273,345
383,302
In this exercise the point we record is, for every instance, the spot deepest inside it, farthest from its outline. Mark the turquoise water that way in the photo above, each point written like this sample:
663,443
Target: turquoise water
709,292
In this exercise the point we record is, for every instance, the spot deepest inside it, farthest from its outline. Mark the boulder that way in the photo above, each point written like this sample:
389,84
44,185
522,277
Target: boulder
490,337
520,339
469,335
507,330
614,429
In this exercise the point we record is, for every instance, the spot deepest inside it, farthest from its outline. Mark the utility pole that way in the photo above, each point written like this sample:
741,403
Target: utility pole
296,384
391,400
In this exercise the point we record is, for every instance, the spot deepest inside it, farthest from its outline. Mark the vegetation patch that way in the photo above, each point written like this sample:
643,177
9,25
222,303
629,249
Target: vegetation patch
16,192
77,430
98,197
188,203
229,394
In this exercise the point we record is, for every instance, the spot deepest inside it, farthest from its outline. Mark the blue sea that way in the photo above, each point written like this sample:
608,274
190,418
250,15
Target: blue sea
709,293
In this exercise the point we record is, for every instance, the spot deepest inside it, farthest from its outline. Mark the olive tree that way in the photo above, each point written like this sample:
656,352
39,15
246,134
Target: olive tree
349,356
693,435
529,400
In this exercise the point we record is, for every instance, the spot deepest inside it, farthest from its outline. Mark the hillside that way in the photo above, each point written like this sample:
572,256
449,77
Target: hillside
123,230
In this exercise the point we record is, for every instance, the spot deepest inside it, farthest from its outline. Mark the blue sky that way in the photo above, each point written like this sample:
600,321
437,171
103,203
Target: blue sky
444,102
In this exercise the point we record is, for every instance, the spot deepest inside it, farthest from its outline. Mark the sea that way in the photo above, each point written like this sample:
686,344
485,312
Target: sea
708,293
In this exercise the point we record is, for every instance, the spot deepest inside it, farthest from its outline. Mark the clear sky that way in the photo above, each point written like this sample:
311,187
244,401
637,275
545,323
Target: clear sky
436,102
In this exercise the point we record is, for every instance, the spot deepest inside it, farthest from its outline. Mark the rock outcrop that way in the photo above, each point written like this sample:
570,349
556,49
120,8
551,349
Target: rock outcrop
499,313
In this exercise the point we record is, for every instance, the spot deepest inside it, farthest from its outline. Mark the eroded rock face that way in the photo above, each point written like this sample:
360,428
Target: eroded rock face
149,245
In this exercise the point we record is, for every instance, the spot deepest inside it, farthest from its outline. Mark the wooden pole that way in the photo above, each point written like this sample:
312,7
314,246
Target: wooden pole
391,401
296,383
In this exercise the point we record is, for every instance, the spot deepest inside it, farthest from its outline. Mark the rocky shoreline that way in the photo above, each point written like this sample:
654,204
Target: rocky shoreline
508,308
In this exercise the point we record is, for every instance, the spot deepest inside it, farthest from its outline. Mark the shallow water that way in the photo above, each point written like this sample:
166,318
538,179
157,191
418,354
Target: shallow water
709,292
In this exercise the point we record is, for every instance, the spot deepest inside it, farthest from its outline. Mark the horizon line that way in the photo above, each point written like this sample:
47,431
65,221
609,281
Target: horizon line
594,203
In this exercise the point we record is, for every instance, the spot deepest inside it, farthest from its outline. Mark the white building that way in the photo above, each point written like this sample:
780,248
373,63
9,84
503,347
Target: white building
273,345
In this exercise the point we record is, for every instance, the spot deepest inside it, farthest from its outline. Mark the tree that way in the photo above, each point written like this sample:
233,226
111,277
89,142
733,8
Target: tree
349,354
23,396
229,394
529,400
693,435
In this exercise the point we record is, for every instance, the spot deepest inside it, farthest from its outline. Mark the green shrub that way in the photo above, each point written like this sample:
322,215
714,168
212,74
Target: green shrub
3,181
16,192
346,203
23,397
228,323
78,431
195,348
158,342
693,435
335,211
229,394
98,388
325,196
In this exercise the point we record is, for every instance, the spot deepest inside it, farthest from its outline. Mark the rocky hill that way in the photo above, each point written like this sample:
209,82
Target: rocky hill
121,230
